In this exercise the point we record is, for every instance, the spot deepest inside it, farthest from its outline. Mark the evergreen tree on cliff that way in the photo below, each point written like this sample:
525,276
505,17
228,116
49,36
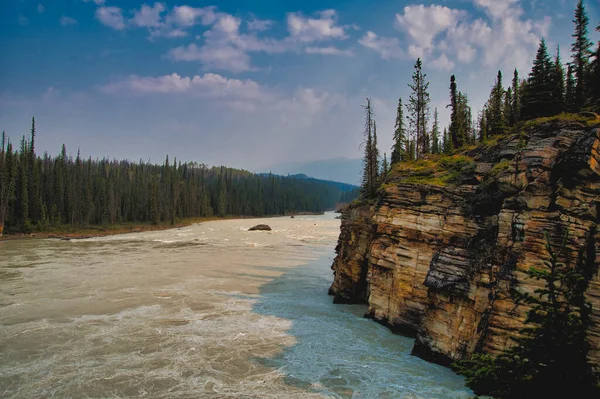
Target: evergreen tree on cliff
435,134
375,157
515,115
400,139
368,185
384,167
455,140
557,104
570,90
550,357
537,99
496,122
595,79
418,108
581,55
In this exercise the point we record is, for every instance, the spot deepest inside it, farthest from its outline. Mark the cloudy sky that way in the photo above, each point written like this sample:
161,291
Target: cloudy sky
250,83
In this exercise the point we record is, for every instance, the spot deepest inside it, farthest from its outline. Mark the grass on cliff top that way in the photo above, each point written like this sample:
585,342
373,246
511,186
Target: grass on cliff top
585,118
437,170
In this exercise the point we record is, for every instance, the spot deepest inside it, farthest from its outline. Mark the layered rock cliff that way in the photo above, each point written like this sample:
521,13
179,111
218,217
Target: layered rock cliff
436,255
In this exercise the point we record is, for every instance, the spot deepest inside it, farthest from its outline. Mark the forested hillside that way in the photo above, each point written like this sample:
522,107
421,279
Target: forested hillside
42,192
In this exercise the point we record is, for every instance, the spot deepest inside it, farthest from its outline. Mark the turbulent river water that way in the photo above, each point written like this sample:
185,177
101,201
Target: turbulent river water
207,311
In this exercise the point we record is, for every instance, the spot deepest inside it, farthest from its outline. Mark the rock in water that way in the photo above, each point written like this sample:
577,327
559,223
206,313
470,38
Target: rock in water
260,227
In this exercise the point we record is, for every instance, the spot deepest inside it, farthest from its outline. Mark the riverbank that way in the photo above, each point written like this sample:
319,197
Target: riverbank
67,232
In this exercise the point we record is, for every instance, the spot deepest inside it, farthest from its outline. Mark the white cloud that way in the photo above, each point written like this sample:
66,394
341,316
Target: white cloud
97,2
111,17
387,47
40,8
186,16
498,9
330,50
307,30
259,25
503,37
246,95
224,57
423,24
209,85
442,63
148,16
66,21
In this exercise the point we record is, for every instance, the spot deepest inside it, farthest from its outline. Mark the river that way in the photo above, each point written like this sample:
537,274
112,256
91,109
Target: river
206,311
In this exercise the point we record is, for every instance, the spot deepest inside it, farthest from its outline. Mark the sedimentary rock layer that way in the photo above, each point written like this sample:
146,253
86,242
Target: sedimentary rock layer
438,261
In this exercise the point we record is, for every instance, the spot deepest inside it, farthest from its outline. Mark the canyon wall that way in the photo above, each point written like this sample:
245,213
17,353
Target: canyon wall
437,260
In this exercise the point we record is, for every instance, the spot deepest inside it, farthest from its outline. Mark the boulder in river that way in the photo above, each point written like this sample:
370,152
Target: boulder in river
260,227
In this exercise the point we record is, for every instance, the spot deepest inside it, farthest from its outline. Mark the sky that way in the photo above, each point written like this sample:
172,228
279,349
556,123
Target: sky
251,83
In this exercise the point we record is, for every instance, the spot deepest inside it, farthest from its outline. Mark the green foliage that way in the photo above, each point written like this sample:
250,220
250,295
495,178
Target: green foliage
435,170
400,139
550,357
42,193
581,56
418,110
370,179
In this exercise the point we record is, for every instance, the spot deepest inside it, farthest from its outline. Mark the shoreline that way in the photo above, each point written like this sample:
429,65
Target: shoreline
74,233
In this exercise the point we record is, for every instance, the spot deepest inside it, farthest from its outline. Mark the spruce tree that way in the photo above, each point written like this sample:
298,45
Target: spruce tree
456,141
537,99
570,90
384,167
558,85
375,155
400,139
435,134
516,100
368,184
580,55
508,107
446,142
418,108
483,127
496,121
595,77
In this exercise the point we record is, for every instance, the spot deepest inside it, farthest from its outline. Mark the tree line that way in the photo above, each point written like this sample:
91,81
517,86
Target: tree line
548,90
42,192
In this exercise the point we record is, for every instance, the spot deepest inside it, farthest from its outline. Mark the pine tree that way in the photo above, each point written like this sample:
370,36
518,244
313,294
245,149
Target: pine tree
516,100
435,134
537,98
400,139
384,167
595,77
483,127
581,55
456,140
446,142
570,90
496,122
418,108
508,107
375,156
558,85
368,184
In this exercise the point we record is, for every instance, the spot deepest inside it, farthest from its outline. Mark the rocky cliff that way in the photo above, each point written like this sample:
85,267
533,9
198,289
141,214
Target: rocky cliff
436,255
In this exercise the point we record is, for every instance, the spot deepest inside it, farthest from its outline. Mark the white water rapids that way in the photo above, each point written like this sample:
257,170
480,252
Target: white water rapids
207,311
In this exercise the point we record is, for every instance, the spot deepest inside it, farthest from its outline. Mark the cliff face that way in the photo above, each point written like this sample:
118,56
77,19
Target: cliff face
437,260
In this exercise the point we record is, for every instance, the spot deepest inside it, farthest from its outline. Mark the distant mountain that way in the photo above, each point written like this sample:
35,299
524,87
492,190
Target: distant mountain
337,169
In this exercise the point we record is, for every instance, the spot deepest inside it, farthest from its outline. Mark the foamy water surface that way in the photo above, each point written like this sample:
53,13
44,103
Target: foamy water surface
206,311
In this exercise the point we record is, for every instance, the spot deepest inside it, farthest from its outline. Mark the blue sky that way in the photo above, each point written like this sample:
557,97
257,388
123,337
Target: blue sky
250,83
